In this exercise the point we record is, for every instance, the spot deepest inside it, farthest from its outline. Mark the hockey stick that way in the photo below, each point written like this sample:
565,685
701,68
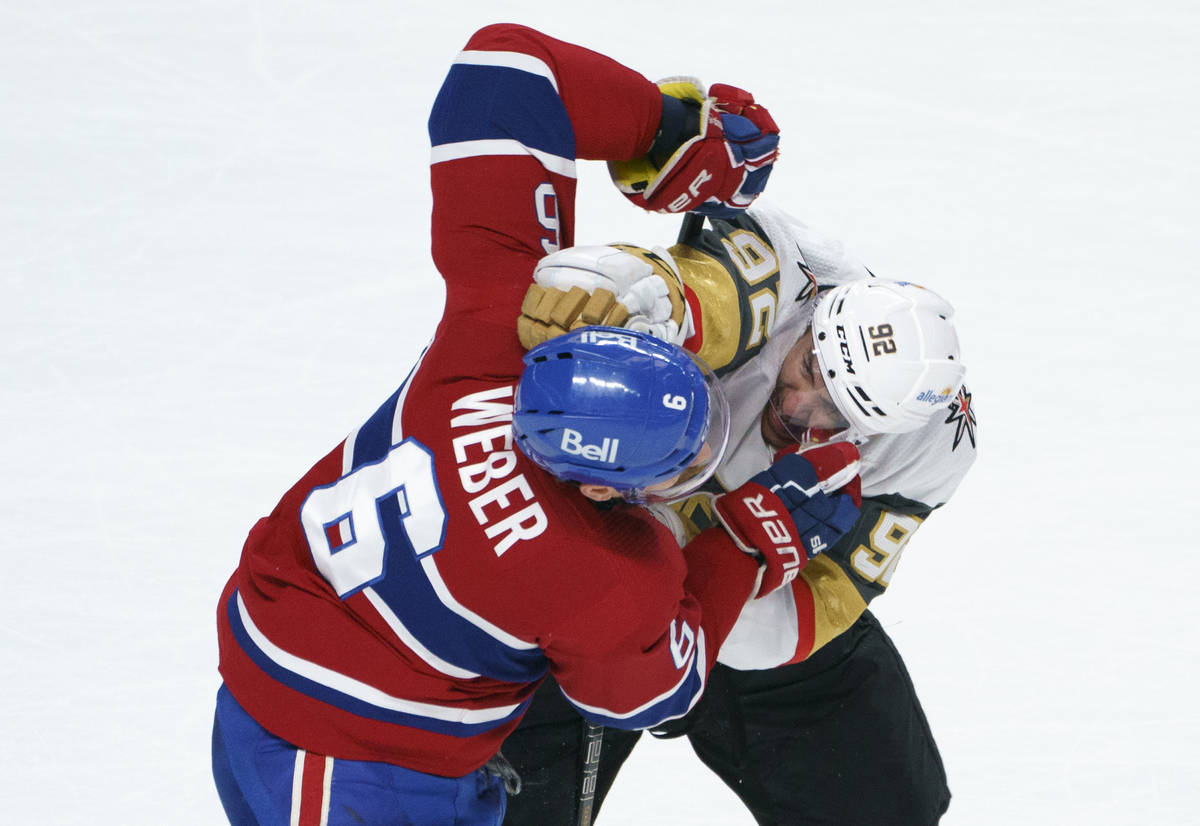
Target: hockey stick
593,738
693,223
593,735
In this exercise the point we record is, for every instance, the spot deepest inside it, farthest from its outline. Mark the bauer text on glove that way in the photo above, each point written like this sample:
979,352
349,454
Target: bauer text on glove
784,516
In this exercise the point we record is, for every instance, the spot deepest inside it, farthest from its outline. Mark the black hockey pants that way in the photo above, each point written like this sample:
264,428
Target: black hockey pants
838,740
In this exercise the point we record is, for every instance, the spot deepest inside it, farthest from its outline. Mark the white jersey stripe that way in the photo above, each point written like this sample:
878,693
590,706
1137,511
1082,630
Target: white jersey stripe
398,413
509,60
501,146
360,690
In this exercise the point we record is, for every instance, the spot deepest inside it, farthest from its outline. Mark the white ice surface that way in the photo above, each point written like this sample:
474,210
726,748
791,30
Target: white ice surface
214,262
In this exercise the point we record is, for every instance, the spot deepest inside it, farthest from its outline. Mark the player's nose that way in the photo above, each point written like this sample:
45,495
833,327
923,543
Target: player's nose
792,402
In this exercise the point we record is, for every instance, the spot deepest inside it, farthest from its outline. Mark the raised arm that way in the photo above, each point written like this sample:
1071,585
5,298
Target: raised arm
516,111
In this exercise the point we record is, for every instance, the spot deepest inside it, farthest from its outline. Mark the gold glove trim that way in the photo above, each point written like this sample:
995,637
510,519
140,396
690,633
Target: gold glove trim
547,312
664,271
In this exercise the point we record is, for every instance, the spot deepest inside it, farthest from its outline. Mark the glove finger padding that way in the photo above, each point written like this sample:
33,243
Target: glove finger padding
547,312
753,137
784,518
720,170
616,285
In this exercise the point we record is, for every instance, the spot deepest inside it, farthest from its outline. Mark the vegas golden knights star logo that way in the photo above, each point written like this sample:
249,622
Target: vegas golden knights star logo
963,415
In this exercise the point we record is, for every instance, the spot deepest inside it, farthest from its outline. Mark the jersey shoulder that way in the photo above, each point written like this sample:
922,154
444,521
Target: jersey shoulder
927,464
753,276
804,248
736,288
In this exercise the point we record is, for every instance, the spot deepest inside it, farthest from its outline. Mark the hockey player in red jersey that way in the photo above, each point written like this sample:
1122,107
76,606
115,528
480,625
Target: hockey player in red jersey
390,620
809,700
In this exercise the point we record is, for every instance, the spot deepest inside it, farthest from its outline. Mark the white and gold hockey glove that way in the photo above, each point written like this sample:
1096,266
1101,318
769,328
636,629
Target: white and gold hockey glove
618,285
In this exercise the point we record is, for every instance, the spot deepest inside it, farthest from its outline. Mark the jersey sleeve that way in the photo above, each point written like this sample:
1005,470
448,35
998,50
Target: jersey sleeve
734,287
905,477
516,110
753,276
662,633
831,592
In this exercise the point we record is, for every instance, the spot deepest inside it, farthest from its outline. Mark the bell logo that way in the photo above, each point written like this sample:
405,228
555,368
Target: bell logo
572,443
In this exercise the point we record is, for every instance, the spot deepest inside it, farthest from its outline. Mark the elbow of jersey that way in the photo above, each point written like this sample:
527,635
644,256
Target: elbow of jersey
676,705
639,721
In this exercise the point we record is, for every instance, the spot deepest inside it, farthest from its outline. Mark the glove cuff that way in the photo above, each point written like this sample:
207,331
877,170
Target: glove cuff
735,533
680,123
760,525
757,519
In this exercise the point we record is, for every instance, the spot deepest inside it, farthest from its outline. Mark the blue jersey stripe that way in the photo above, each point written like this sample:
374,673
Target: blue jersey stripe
406,589
374,438
675,703
497,102
360,706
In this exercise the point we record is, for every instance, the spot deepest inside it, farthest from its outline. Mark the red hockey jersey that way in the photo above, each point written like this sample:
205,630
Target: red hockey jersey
405,597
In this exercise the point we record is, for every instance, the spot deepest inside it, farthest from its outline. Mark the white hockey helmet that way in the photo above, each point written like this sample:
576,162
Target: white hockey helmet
888,352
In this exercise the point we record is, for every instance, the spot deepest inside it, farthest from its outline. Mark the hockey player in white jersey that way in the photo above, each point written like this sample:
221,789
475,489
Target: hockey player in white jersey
810,716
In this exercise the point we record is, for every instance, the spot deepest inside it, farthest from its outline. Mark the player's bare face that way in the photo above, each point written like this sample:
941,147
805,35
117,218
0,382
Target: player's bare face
800,399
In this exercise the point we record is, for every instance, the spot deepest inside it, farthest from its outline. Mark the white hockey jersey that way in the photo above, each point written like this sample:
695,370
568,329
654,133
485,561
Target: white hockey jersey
752,284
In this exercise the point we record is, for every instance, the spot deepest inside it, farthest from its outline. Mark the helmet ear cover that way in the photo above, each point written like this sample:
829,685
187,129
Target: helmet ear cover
619,408
888,352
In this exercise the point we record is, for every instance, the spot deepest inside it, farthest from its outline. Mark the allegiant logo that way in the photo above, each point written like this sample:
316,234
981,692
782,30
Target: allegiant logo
572,443
933,398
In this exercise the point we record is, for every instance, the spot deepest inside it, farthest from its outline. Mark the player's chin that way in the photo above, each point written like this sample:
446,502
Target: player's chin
775,431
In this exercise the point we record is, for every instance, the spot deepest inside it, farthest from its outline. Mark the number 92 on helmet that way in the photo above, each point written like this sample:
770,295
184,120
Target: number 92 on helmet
620,408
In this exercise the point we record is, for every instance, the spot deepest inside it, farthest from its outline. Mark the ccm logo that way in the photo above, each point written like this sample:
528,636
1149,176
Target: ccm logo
844,345
572,443
778,533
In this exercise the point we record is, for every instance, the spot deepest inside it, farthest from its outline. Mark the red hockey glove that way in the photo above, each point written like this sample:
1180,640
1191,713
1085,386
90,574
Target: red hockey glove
721,163
792,511
836,463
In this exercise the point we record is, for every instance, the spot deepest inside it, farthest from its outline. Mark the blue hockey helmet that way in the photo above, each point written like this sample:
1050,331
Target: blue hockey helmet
607,406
